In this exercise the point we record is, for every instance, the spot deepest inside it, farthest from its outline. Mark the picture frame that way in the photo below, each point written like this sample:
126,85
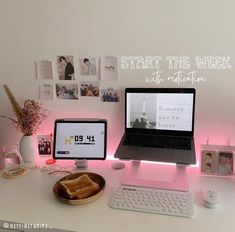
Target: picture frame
217,160
44,145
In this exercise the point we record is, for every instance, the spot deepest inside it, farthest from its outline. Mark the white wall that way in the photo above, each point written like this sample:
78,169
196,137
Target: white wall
33,30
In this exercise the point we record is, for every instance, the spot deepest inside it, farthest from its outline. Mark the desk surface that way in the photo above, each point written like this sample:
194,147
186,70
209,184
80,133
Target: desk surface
29,199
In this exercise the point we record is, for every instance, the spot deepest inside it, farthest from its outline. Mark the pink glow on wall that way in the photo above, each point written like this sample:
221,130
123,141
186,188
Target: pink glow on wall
110,157
116,130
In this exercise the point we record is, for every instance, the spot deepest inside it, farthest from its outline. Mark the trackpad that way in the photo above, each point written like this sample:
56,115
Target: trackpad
153,154
128,152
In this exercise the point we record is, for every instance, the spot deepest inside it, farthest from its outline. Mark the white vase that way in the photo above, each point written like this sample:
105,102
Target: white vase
26,148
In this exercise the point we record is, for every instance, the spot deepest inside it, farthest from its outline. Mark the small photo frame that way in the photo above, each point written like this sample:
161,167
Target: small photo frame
209,162
44,144
225,164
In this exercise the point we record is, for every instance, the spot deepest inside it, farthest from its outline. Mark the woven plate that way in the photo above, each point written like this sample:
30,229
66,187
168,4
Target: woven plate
61,194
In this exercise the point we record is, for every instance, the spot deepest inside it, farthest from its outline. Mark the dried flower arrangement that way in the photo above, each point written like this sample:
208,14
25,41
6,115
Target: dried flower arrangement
29,117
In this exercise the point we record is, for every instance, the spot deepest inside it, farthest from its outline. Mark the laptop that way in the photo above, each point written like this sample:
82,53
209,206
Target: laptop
159,125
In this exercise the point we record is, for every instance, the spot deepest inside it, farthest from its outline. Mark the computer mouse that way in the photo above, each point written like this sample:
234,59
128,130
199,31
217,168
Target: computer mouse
211,199
118,166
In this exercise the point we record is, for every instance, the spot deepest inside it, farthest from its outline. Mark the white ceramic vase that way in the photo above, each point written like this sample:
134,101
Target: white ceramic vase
26,148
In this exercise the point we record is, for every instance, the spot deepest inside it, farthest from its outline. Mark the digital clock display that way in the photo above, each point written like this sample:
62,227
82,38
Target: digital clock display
80,139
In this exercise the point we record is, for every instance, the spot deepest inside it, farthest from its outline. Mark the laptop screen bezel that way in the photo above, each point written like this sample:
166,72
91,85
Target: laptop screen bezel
157,131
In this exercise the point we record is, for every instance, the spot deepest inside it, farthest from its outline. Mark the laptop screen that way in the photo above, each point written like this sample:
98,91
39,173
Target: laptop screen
160,109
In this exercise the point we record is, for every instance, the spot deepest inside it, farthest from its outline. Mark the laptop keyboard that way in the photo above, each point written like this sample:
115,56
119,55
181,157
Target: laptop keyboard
180,143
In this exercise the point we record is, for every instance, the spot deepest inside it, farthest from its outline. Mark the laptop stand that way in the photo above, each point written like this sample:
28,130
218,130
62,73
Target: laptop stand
179,183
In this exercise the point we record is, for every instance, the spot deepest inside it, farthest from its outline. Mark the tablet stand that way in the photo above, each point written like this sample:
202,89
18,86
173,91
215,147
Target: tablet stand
81,164
179,182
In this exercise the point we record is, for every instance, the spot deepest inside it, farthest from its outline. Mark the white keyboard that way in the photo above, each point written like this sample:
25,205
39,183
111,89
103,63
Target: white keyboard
158,201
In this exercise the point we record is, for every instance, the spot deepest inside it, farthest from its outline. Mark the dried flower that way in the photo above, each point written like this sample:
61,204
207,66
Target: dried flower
29,117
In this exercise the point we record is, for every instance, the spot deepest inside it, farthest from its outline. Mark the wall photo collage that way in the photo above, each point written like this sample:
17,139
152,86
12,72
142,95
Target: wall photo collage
84,82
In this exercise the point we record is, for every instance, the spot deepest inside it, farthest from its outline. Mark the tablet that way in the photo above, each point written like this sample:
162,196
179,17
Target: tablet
80,139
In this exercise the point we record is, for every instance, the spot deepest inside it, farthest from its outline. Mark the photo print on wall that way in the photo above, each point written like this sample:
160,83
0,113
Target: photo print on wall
44,70
88,66
67,91
109,95
89,89
65,66
46,91
109,68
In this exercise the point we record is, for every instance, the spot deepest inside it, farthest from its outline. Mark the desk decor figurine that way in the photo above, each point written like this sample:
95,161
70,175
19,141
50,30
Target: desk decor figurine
28,121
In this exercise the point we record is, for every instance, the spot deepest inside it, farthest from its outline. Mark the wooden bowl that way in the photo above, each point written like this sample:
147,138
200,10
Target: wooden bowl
61,194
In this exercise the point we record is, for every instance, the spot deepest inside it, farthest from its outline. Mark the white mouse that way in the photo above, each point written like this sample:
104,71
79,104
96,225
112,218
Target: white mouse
118,166
211,199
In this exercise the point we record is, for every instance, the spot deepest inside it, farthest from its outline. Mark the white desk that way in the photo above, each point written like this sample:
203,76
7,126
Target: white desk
29,199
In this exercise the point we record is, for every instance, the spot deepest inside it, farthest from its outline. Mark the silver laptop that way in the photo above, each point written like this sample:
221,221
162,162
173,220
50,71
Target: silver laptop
159,125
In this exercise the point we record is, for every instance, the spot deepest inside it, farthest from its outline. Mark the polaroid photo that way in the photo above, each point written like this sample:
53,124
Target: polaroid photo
65,67
209,162
109,68
109,95
89,89
67,91
44,144
225,166
88,66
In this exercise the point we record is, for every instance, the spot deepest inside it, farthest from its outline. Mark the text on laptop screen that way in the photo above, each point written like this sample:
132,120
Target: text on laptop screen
79,140
160,111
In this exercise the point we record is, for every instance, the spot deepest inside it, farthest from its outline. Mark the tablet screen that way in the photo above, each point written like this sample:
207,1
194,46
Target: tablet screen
80,139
